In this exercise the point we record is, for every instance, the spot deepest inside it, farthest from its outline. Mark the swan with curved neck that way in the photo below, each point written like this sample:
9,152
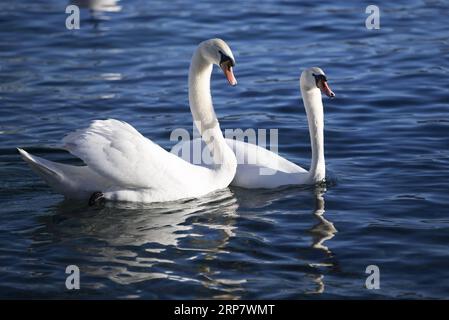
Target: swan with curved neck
200,101
267,169
123,165
313,81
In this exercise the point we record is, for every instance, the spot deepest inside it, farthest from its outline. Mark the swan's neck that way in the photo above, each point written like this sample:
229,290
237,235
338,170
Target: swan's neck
314,109
205,119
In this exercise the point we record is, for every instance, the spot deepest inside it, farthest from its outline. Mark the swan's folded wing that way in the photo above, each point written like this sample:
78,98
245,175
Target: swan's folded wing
256,156
118,152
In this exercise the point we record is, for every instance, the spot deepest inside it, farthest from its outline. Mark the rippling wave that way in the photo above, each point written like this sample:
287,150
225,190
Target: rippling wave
386,138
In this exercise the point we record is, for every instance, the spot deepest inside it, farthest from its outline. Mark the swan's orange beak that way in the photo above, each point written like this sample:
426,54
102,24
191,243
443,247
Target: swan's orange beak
324,87
226,66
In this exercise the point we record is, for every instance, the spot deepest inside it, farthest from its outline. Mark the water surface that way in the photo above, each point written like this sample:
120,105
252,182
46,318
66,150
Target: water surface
386,137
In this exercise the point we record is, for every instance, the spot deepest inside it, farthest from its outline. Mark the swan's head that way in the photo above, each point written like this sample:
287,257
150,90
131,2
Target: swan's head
315,78
216,51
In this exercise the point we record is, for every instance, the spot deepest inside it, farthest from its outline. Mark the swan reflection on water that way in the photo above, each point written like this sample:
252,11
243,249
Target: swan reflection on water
183,241
133,242
98,5
98,9
321,232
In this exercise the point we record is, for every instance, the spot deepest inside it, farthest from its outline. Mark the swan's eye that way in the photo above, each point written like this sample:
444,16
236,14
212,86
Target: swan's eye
318,78
226,58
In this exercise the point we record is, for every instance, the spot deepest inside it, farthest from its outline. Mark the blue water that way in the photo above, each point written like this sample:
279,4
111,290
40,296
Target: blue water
386,146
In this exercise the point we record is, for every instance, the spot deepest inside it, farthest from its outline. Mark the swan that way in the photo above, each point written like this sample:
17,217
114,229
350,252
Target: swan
123,165
267,169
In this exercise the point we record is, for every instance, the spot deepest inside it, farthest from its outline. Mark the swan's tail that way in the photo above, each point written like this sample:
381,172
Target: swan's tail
71,181
46,169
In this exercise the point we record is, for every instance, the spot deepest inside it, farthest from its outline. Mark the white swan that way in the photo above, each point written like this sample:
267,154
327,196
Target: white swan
267,169
123,165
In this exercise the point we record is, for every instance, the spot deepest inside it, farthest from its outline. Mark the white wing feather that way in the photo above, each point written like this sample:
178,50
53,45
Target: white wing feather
257,167
118,152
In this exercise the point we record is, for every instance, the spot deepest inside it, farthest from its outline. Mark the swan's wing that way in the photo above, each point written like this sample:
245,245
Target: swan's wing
261,168
253,155
257,167
118,152
248,156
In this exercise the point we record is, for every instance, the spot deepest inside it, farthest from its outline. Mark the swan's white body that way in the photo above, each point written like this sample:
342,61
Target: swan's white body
125,166
267,169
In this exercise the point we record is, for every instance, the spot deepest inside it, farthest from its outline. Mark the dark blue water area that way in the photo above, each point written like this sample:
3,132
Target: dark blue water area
386,147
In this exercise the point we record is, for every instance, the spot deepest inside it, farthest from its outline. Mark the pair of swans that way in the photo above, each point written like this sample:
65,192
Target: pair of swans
123,165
